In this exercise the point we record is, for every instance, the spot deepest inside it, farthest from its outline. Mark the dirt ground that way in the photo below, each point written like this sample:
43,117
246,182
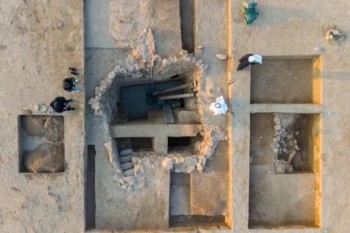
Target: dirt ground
40,39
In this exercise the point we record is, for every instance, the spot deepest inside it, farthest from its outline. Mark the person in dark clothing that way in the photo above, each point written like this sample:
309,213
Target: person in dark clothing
69,84
60,104
249,59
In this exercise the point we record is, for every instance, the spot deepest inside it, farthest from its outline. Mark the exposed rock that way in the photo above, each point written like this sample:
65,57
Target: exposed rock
126,166
43,108
298,163
33,125
183,52
291,156
129,66
54,129
92,101
125,159
168,163
221,56
289,168
46,158
130,180
165,62
118,69
125,152
112,152
129,172
112,75
96,106
199,62
144,49
37,107
204,67
51,128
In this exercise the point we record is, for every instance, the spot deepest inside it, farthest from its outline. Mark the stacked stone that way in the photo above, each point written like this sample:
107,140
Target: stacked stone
136,164
187,163
143,62
102,103
284,144
165,68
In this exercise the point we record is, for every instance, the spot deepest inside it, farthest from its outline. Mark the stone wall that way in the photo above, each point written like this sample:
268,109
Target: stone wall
143,65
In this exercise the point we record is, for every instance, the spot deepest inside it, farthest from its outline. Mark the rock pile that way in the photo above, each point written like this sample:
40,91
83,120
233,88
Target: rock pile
285,145
187,163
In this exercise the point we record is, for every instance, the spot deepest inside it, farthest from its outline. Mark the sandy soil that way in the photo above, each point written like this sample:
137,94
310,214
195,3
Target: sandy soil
39,40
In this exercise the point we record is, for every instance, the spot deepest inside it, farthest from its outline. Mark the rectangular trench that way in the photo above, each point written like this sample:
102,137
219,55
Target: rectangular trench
187,24
90,201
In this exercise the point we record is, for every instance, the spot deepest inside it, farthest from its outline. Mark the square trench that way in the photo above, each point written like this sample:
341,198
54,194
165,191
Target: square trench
287,80
41,144
284,197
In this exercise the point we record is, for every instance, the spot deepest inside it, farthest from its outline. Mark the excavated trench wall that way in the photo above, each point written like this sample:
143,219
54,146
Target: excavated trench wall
132,71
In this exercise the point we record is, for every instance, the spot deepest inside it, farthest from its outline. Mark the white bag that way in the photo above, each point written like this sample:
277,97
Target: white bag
219,106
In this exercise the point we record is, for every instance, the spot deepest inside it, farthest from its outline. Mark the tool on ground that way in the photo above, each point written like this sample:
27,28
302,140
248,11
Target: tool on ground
173,89
180,96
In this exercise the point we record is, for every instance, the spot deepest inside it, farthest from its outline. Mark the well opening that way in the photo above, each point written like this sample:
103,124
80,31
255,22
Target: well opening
143,100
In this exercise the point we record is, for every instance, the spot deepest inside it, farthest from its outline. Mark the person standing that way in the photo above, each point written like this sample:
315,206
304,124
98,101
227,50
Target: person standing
249,59
60,104
69,84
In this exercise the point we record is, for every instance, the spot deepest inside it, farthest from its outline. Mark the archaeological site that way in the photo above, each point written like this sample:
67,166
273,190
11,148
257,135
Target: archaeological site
187,116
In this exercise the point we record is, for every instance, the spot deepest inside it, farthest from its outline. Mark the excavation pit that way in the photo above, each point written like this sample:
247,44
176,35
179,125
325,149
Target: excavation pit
286,80
137,100
182,144
180,204
145,144
282,190
41,144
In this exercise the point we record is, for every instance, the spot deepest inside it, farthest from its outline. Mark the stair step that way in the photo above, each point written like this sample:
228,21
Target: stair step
168,114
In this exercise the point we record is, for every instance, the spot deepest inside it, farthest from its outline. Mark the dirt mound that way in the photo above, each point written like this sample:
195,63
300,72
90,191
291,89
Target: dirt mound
54,129
33,125
46,158
51,128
